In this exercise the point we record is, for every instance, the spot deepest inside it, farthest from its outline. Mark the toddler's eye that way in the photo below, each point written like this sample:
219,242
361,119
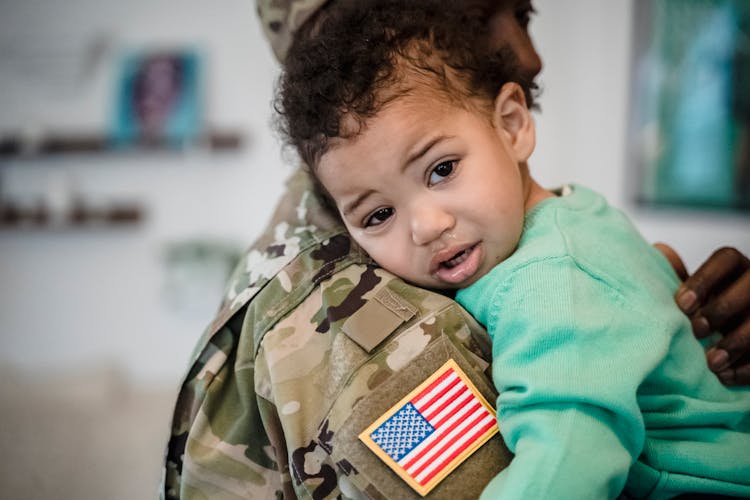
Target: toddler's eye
441,171
380,216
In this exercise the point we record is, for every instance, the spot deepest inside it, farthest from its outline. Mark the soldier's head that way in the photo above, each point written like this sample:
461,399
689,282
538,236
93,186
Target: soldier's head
506,21
417,131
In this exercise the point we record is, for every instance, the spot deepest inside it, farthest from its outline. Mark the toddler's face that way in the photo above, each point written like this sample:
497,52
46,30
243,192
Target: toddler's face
430,190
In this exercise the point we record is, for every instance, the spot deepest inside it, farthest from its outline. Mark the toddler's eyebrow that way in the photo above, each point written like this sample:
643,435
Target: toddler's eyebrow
425,149
352,206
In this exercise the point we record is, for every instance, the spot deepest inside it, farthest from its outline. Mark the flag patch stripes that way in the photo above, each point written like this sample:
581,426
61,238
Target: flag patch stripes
433,429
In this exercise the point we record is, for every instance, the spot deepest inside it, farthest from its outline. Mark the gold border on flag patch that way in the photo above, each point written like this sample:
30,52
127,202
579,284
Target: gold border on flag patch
433,429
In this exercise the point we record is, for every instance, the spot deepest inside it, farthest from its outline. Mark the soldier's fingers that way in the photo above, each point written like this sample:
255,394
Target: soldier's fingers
701,327
674,259
738,374
721,268
728,308
732,349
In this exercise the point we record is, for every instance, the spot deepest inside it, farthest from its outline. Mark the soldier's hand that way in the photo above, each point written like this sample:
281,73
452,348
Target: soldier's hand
717,299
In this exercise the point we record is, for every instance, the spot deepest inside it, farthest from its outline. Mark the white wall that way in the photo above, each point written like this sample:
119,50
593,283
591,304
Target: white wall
585,46
72,297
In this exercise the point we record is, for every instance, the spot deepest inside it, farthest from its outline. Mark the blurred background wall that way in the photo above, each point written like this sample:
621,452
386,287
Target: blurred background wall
97,320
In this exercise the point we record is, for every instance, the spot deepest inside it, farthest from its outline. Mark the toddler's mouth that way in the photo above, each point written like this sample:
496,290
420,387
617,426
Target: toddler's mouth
457,259
460,267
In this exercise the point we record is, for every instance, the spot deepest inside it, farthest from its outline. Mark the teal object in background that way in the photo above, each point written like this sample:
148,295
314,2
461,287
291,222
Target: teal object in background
691,111
158,100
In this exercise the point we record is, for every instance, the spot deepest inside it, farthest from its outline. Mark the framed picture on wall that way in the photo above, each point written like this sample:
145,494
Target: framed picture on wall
158,99
690,113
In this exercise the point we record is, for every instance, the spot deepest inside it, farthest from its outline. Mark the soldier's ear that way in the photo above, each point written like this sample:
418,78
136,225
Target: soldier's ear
512,119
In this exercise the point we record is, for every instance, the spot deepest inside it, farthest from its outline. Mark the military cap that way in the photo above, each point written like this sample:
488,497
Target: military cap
282,18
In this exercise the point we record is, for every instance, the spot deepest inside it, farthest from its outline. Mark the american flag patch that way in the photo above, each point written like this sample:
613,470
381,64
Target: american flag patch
433,429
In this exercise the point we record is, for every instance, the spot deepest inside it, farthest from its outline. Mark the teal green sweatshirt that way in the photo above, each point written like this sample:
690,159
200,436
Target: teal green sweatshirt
602,384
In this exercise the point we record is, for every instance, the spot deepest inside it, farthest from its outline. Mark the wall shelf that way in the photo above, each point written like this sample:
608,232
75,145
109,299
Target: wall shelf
80,215
18,146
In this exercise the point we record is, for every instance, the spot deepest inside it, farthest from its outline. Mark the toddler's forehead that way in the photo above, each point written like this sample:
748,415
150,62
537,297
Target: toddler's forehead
409,92
436,83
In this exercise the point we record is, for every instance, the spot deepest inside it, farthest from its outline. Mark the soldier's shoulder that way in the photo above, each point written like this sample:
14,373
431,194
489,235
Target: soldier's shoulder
302,234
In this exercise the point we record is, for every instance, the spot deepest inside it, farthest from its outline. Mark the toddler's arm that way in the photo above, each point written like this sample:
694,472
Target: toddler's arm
568,357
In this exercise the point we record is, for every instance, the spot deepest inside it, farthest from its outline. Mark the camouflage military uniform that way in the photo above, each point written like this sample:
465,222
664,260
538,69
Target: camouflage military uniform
312,343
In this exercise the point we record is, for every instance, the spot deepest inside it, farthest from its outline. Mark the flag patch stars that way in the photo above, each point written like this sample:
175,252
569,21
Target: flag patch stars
401,433
433,429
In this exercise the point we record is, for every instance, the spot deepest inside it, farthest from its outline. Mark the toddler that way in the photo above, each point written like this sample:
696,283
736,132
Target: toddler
421,142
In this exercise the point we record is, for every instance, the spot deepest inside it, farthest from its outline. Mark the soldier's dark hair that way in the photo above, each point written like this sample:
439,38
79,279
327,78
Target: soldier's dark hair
354,59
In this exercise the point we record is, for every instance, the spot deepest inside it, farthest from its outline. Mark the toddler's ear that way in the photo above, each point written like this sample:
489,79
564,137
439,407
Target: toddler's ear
512,118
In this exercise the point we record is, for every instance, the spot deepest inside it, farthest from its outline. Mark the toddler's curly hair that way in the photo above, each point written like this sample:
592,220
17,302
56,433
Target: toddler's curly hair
357,56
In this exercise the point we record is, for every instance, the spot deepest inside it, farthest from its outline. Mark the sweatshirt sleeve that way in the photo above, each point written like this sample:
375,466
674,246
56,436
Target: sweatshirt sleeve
569,353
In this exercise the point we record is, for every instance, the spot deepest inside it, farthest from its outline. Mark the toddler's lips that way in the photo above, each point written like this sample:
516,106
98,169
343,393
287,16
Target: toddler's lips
460,266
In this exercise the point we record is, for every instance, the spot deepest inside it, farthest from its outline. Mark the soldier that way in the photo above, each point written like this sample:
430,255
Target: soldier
313,341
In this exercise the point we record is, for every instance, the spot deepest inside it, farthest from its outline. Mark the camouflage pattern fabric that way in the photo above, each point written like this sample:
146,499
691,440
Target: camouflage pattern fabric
281,19
311,345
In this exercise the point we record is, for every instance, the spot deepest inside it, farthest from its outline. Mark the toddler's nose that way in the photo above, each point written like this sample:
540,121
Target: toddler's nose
429,222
